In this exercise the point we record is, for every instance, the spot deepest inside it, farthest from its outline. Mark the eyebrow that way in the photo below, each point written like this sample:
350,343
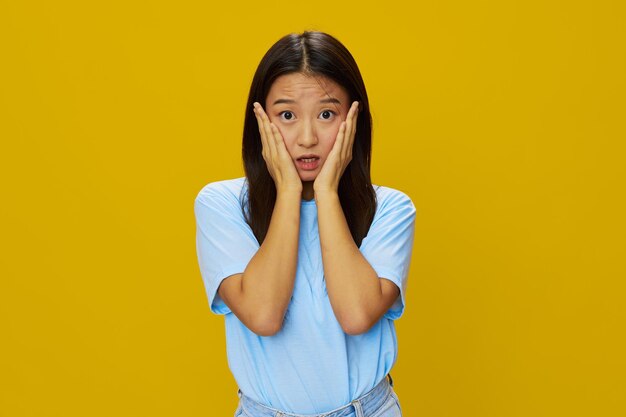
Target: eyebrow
287,101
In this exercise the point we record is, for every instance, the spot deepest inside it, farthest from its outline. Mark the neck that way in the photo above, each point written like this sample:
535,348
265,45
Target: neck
307,190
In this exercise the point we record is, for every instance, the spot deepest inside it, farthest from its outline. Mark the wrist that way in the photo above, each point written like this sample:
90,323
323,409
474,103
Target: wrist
295,191
325,194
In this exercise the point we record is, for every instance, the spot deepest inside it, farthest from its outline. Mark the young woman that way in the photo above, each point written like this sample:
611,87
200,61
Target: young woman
304,257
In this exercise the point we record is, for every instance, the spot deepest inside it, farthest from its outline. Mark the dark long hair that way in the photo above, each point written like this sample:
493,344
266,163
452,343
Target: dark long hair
314,53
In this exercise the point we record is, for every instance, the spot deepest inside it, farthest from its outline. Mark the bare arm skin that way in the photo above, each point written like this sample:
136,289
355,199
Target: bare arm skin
358,296
260,296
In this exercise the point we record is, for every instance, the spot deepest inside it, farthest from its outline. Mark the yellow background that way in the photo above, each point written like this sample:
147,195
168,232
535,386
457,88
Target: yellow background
502,120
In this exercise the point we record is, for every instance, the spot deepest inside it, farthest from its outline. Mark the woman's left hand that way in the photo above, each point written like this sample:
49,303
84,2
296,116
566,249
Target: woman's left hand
340,155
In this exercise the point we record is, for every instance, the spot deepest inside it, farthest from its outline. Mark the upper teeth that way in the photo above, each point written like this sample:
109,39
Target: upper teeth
308,159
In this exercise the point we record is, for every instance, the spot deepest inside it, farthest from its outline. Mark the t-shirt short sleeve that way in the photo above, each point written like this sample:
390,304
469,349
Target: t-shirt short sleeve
389,243
225,243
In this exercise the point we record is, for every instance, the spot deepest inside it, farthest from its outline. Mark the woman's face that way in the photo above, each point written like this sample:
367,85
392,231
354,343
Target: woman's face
307,110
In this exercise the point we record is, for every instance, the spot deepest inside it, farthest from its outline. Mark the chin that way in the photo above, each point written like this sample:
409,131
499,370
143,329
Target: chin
308,177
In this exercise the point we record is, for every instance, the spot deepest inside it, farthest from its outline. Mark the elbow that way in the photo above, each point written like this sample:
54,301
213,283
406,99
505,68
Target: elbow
266,325
354,325
266,329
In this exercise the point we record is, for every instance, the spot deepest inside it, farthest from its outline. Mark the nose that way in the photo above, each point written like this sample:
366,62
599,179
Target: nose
307,136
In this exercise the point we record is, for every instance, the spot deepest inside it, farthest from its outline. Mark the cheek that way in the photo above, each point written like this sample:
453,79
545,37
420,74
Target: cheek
334,129
289,137
329,136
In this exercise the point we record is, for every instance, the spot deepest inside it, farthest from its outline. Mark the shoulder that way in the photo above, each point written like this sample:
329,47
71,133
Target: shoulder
230,190
390,199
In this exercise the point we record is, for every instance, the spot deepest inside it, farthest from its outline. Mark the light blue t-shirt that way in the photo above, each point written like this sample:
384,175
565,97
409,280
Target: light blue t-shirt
311,365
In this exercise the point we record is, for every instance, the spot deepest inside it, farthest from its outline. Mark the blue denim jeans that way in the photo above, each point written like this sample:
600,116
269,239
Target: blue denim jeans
381,401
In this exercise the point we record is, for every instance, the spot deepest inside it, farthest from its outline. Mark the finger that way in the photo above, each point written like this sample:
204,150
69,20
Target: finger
339,142
348,132
259,122
264,141
271,140
353,133
280,142
355,117
355,114
270,134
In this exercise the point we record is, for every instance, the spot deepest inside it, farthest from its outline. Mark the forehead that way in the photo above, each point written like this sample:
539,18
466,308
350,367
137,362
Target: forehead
298,85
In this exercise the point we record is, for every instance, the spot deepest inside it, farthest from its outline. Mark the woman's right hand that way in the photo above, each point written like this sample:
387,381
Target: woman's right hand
277,158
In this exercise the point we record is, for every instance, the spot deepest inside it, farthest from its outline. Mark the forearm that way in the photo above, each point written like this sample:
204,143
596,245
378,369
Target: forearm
353,286
268,280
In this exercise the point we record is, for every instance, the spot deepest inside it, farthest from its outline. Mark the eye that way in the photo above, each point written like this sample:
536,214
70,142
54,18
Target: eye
288,115
327,114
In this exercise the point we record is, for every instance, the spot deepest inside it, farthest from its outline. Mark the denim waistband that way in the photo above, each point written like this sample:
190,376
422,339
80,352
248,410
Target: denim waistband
362,406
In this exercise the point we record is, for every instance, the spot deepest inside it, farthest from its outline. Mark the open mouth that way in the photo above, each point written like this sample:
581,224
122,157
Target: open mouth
308,163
